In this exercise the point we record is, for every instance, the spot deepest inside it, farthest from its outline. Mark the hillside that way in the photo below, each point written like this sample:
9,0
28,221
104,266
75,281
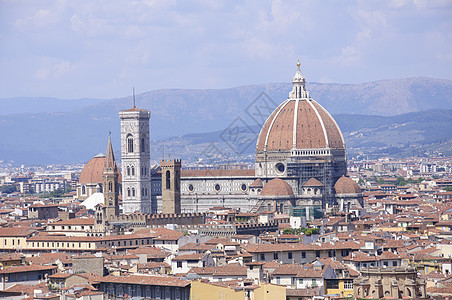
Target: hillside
46,130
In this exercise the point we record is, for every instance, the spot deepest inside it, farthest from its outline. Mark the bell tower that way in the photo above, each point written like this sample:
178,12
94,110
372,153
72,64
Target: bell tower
111,183
171,186
135,158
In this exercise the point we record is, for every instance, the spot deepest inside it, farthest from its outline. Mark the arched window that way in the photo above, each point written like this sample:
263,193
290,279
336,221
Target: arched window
142,145
168,180
128,192
128,171
130,143
83,190
133,192
142,191
133,171
110,186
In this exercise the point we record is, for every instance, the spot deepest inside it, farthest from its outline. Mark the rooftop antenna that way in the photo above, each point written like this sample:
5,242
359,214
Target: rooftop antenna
133,97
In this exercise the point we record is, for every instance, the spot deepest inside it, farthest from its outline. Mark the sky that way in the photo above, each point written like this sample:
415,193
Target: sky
101,49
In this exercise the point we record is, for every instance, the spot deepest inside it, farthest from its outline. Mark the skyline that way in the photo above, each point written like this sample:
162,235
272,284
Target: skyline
100,50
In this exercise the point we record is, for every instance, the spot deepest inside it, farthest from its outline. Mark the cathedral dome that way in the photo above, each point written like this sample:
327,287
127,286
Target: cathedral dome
299,123
93,171
277,187
345,185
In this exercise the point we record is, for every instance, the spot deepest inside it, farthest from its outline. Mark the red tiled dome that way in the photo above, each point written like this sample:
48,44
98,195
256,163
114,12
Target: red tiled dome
277,187
306,121
92,172
299,123
312,182
345,185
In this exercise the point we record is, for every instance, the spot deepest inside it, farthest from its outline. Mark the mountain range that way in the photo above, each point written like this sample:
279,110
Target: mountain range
393,114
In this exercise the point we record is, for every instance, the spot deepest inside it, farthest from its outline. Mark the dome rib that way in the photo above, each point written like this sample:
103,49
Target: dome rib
295,127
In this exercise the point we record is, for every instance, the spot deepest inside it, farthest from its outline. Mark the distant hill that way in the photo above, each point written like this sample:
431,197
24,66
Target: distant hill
46,130
400,136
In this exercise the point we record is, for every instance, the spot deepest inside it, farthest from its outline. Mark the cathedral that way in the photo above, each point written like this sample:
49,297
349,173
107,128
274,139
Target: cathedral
300,168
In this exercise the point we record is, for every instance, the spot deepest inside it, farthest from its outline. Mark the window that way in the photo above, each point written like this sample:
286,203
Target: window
179,264
344,253
394,263
275,255
129,143
278,280
317,253
300,281
332,284
331,253
133,192
142,145
294,281
133,171
168,179
110,187
289,255
303,254
262,255
128,171
128,192
385,263
83,190
348,284
314,283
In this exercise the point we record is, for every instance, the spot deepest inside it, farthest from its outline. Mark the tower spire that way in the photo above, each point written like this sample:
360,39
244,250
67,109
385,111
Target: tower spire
110,156
133,97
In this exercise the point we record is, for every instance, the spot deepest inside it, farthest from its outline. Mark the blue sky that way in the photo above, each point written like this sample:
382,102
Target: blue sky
100,49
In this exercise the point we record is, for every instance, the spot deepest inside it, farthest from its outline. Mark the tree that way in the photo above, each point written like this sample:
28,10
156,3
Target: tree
401,181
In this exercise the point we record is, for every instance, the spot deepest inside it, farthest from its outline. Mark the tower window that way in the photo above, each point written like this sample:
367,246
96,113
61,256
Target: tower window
133,171
83,190
110,187
133,192
168,179
128,171
142,145
130,143
128,192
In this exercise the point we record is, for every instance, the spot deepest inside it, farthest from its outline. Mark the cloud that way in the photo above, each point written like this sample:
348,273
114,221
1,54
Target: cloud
100,48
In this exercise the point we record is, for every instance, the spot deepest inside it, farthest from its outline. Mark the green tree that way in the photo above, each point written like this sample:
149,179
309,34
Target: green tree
401,181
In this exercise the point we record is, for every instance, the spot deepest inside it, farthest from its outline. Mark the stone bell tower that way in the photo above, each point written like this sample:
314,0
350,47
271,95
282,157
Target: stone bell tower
111,183
171,186
135,156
